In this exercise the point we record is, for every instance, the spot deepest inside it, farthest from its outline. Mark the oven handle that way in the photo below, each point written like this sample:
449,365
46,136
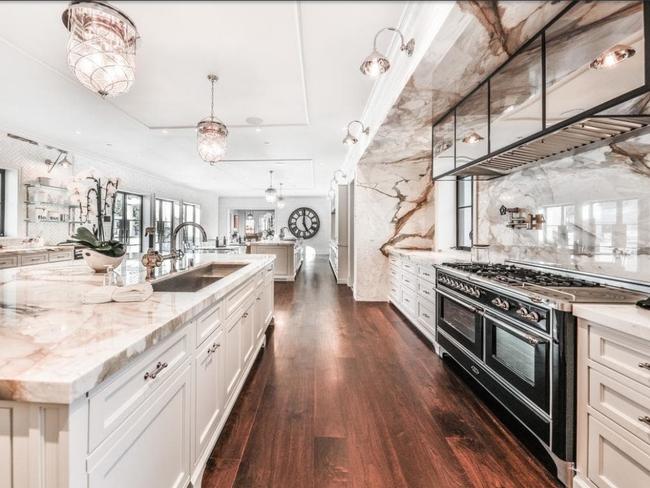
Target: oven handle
532,340
463,304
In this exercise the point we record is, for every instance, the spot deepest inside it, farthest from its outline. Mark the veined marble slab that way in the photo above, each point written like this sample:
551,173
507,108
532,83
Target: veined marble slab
630,319
431,257
54,349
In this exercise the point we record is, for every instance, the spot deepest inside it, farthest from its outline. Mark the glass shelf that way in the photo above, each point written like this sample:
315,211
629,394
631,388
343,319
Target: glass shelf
49,187
51,204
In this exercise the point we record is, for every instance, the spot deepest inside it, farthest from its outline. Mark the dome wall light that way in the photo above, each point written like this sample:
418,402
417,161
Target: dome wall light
473,138
101,46
271,194
280,203
612,56
376,63
211,133
349,139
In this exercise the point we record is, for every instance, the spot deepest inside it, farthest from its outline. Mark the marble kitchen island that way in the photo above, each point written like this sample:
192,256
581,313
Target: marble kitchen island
289,255
89,392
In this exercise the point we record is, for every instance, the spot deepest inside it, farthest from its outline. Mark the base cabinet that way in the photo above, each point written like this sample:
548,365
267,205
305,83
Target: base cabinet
232,355
153,449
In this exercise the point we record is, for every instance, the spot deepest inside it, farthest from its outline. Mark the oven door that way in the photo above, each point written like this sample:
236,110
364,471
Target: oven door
520,357
461,321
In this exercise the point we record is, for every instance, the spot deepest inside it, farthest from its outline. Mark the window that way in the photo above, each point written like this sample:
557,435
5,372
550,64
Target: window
167,216
191,213
2,202
126,225
464,212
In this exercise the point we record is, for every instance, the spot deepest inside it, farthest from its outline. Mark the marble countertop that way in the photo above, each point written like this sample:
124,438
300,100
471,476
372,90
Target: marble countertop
30,250
54,349
431,257
629,319
276,243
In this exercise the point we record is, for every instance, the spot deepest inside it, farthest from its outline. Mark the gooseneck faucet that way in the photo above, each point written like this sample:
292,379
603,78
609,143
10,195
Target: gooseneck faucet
176,253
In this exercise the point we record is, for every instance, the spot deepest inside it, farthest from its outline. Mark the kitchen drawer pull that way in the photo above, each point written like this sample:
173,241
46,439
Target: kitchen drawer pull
245,315
645,419
152,375
213,348
644,365
426,315
426,292
258,299
407,300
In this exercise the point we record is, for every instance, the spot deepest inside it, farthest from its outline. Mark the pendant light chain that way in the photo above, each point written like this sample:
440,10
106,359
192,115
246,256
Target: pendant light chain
212,99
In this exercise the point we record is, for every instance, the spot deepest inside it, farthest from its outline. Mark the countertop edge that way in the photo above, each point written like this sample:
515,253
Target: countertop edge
625,318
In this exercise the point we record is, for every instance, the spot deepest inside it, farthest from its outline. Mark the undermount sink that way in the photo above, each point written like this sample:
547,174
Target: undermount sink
195,280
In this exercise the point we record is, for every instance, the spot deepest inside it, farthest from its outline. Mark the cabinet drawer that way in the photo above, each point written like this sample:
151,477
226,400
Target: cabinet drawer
427,316
410,281
394,260
409,267
114,402
395,293
56,256
427,272
624,354
622,401
208,321
8,261
426,290
409,302
615,462
29,259
394,273
239,296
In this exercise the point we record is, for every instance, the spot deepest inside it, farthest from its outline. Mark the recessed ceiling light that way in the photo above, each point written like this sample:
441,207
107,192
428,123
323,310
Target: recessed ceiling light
267,143
258,129
78,132
165,131
109,144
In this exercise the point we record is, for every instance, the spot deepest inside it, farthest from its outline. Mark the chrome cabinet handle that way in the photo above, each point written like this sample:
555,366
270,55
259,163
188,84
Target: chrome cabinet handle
645,419
213,348
426,315
245,315
474,369
156,371
426,292
644,365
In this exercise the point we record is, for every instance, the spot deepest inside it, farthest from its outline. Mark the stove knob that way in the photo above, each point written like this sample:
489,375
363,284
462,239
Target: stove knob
533,316
464,287
496,302
522,312
476,292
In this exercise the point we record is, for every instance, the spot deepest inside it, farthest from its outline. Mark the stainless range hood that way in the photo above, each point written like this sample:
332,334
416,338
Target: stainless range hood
577,137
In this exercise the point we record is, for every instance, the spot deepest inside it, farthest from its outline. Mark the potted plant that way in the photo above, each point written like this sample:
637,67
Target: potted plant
99,254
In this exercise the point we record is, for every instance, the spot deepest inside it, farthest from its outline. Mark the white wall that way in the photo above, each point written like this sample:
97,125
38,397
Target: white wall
26,162
320,205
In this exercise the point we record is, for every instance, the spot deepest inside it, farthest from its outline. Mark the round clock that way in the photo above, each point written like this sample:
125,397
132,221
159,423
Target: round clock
304,223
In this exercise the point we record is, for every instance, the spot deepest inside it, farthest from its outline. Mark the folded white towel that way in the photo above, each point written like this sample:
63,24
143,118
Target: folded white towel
105,294
100,294
134,293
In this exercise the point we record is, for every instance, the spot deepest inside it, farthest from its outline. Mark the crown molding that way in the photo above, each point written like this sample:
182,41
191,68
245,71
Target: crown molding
421,21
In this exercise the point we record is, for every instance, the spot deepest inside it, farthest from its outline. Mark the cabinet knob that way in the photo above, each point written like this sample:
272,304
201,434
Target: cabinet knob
645,419
245,315
644,365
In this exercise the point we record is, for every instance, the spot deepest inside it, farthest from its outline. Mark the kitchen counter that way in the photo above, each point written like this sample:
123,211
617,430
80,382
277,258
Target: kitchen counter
629,319
431,257
55,349
289,256
279,242
30,250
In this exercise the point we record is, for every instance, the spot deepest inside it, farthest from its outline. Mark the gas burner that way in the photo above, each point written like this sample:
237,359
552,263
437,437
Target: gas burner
515,275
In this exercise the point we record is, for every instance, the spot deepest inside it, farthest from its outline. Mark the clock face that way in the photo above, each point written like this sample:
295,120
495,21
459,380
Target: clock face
304,223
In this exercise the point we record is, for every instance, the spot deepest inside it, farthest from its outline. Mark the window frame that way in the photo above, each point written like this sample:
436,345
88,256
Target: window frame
157,202
126,194
459,207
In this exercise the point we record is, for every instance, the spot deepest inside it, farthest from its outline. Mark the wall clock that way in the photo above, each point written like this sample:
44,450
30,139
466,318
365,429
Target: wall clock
304,223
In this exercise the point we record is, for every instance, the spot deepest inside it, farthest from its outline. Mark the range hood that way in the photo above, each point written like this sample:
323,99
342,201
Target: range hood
577,137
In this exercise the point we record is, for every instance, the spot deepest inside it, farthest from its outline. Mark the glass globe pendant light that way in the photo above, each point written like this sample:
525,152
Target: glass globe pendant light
280,203
211,133
271,194
101,47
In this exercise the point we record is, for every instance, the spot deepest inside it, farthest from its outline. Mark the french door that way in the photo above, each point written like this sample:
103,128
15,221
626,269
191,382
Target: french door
126,226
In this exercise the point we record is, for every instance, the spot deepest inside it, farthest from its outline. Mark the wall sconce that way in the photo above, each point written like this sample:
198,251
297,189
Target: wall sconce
473,138
61,160
340,178
349,139
376,63
612,56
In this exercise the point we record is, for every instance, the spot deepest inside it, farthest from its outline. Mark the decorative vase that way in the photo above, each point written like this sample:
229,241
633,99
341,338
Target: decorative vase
99,261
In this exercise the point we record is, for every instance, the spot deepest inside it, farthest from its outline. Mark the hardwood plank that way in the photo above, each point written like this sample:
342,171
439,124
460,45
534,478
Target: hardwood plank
331,462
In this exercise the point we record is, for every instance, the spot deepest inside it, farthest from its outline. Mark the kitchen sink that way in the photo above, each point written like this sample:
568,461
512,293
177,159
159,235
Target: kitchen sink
195,280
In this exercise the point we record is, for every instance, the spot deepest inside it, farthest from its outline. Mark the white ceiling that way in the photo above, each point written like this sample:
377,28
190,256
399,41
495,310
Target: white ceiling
294,65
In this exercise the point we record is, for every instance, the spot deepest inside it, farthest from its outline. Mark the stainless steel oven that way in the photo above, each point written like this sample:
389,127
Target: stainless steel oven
520,356
462,321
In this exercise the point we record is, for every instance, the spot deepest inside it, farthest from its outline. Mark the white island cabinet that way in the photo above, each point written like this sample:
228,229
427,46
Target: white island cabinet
143,404
289,255
613,398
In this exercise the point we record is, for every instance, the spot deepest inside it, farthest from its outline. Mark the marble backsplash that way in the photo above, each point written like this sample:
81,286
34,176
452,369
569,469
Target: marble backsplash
596,207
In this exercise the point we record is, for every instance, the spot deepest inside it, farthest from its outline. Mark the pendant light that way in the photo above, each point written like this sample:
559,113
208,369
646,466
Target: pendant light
612,56
280,203
271,194
349,139
101,47
376,63
211,133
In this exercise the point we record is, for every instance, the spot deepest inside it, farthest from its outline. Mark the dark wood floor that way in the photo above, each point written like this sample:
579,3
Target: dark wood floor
346,394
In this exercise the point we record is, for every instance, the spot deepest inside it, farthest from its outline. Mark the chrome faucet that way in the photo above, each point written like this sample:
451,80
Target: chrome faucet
177,253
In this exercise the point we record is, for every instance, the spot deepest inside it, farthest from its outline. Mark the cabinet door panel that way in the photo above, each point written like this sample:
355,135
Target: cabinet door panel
232,355
248,332
209,390
153,448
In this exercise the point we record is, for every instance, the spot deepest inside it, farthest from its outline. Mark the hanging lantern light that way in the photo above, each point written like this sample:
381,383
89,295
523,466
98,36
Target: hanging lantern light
211,133
280,203
101,47
271,194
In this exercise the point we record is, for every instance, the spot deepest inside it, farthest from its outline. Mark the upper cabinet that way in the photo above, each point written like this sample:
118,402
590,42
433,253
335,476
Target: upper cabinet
594,53
564,90
516,98
472,126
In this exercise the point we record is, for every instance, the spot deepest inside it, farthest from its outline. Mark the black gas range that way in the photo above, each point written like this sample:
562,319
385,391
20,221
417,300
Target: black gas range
511,328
